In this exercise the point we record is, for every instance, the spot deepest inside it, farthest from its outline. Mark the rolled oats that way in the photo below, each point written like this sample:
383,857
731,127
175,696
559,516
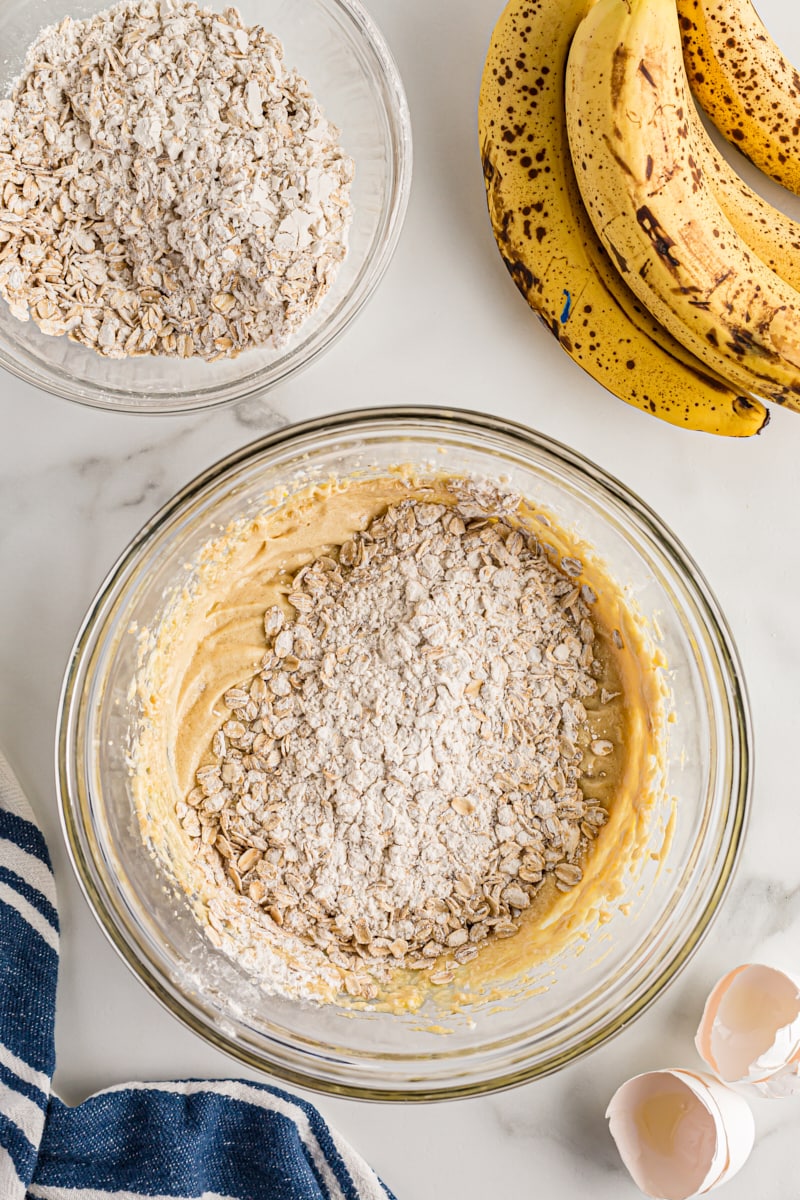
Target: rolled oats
167,185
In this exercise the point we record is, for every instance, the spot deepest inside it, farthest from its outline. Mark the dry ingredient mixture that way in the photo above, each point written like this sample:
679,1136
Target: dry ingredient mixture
167,185
402,774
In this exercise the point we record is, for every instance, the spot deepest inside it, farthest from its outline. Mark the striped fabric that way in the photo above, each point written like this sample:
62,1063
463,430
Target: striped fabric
191,1140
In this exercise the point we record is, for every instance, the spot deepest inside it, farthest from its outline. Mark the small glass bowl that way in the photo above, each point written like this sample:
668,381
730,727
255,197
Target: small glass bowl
571,1003
337,47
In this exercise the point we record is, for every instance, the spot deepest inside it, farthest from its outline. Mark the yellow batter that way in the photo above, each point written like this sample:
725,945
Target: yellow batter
212,638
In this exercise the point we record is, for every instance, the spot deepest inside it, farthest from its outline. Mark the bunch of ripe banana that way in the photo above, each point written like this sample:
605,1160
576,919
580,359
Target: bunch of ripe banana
659,271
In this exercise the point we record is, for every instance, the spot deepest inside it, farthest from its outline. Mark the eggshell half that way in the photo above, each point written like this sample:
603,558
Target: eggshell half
679,1133
750,1030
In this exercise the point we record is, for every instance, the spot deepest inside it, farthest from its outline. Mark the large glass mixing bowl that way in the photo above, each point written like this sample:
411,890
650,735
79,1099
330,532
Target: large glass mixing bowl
570,1004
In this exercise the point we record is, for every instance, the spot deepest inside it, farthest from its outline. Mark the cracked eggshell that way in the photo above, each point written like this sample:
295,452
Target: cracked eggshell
680,1133
750,1030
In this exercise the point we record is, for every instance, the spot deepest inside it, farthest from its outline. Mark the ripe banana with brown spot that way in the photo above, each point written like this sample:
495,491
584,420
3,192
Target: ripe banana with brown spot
774,236
770,233
745,84
550,247
638,165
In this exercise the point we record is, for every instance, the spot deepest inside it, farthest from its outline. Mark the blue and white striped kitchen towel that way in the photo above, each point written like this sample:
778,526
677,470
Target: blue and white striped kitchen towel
207,1140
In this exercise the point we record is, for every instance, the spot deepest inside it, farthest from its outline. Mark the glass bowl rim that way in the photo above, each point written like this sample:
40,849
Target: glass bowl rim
389,82
736,707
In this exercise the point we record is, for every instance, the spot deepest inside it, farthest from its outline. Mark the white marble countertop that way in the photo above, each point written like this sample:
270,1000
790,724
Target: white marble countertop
446,326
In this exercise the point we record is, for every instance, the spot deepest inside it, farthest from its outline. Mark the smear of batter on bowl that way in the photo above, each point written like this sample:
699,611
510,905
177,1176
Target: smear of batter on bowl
401,722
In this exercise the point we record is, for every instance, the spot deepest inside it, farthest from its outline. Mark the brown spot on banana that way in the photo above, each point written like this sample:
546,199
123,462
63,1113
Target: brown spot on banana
643,69
619,258
487,162
744,406
523,277
617,156
661,240
619,66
